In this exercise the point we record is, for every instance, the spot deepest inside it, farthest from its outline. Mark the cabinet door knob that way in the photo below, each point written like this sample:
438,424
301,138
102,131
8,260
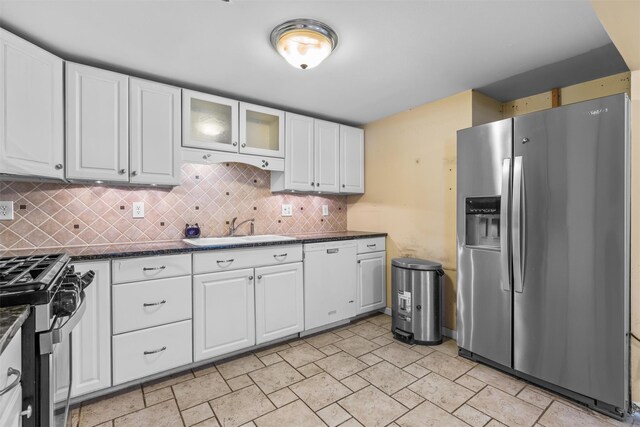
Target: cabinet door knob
59,166
313,183
343,185
250,277
259,276
243,145
234,143
134,173
122,171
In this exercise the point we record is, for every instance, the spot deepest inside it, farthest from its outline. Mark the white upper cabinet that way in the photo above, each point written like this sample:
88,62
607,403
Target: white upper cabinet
327,155
155,124
351,160
299,153
261,130
209,122
97,124
31,110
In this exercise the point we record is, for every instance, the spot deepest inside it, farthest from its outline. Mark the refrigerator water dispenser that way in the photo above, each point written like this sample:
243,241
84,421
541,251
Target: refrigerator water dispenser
483,222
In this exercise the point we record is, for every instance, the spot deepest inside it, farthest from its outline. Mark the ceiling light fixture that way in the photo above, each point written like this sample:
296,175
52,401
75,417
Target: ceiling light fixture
304,43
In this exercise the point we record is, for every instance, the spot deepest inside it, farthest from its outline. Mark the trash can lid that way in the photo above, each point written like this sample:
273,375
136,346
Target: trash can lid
416,264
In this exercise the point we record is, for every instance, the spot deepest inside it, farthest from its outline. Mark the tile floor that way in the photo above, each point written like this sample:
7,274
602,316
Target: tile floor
356,375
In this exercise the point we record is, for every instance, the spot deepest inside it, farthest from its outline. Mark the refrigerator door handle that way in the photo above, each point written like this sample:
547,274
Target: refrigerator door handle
517,220
504,225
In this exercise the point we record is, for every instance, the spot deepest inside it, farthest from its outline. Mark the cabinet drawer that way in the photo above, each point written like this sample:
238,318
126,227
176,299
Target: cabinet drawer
373,244
157,267
11,358
210,262
151,303
141,353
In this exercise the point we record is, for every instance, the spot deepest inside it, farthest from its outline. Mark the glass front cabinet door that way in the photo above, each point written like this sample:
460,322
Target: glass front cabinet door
209,122
261,130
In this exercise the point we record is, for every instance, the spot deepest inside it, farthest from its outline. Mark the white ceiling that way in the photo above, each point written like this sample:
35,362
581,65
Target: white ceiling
392,55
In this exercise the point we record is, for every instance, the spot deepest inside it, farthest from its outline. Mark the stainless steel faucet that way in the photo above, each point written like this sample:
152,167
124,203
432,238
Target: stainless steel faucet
233,227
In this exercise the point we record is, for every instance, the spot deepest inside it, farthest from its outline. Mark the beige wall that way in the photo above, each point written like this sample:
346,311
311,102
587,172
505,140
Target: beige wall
410,179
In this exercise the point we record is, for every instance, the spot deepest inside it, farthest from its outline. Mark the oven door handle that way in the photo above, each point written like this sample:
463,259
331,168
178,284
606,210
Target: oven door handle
56,336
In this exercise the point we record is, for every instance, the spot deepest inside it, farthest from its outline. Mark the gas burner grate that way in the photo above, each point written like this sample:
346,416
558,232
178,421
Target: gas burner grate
28,273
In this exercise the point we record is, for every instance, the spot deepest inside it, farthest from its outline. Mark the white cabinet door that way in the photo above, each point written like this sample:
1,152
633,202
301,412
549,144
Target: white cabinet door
97,124
351,160
31,109
91,338
209,121
155,124
223,313
261,130
372,278
279,301
299,155
327,155
329,283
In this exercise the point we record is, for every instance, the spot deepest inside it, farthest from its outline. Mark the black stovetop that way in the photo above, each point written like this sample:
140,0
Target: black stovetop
30,279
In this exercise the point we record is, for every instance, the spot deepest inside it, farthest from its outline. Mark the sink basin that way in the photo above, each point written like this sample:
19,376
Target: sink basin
236,240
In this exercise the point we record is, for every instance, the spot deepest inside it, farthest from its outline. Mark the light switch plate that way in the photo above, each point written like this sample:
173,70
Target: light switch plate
6,211
325,210
287,210
138,209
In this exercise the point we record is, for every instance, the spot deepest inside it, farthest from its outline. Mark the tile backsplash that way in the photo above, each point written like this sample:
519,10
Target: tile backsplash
52,214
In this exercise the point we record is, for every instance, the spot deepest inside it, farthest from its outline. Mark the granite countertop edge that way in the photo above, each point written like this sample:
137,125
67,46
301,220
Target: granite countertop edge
124,250
11,320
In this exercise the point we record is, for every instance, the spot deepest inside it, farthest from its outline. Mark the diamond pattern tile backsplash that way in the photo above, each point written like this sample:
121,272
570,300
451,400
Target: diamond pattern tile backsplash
51,214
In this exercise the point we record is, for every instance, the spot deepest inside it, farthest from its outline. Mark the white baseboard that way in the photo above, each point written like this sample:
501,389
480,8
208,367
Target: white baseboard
387,311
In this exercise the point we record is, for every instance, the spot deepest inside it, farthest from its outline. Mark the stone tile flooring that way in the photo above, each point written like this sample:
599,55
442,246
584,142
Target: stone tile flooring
356,375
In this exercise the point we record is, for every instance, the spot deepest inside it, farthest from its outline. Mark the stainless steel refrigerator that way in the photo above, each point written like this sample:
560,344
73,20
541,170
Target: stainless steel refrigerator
543,234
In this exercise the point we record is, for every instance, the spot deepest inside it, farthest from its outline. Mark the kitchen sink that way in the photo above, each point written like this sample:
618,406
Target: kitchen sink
236,240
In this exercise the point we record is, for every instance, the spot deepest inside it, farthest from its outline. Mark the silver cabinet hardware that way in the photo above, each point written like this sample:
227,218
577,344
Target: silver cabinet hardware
265,163
234,143
243,145
359,261
162,267
151,304
259,276
27,412
343,185
224,261
351,302
59,166
250,277
122,171
525,140
373,245
313,183
206,156
333,251
15,383
134,173
279,255
155,351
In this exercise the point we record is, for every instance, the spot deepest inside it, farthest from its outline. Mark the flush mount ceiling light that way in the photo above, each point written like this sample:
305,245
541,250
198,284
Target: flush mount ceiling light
304,43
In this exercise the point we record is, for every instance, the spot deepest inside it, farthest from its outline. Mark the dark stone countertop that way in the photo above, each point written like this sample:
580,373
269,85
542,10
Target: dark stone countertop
11,320
97,252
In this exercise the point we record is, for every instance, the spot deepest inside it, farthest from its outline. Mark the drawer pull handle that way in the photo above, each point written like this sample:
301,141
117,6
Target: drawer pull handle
14,384
280,255
372,245
333,251
151,304
162,267
224,261
156,351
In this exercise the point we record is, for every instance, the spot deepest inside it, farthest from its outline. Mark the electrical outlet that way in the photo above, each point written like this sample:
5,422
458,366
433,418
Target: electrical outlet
325,210
138,209
287,210
6,211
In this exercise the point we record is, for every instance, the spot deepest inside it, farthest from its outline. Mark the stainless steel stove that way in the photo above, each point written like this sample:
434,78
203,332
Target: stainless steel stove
56,294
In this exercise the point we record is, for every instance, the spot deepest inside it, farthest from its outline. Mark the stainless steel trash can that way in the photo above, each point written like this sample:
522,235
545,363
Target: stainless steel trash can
416,300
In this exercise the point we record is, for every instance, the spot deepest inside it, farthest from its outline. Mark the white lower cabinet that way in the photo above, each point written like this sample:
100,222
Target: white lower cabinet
223,313
90,339
329,283
279,301
371,288
149,351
